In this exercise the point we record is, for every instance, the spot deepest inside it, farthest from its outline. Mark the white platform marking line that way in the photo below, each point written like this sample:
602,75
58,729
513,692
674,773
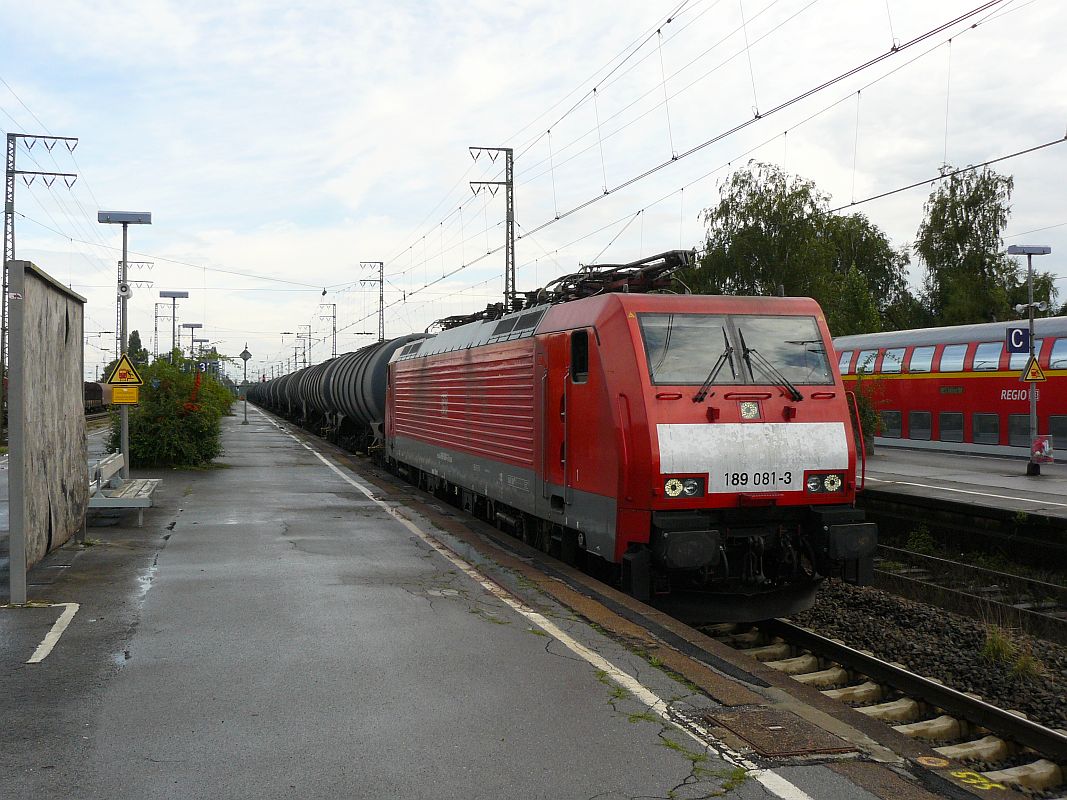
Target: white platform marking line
50,639
771,781
965,491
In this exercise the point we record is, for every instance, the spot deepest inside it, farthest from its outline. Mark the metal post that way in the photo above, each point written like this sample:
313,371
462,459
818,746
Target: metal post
124,411
9,253
173,327
245,355
510,293
1032,468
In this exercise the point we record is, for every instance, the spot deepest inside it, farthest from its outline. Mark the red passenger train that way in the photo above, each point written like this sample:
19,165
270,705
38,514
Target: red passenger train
957,388
697,446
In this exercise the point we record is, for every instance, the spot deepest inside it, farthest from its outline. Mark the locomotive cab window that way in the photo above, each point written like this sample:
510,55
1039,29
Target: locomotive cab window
693,349
580,356
987,356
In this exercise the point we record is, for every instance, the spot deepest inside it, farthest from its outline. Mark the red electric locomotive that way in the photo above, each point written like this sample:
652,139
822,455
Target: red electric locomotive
701,445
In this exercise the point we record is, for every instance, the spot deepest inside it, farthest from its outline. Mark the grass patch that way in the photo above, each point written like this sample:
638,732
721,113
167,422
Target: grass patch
920,541
536,632
1027,667
694,757
998,647
731,777
644,716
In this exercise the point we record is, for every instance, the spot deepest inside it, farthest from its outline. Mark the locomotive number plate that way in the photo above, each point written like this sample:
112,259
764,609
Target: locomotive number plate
760,480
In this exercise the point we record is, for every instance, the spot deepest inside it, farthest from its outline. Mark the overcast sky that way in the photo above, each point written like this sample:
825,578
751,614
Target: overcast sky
278,147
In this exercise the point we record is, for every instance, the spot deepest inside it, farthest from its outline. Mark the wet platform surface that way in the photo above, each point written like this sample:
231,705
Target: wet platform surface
276,630
987,481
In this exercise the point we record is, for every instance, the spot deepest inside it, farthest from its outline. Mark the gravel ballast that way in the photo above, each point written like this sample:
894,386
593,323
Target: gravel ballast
939,644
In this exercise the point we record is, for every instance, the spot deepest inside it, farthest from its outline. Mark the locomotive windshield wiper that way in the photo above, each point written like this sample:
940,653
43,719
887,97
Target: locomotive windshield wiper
767,367
727,355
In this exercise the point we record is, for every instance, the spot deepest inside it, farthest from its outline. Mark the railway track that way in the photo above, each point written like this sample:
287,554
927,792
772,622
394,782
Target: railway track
1005,749
1037,607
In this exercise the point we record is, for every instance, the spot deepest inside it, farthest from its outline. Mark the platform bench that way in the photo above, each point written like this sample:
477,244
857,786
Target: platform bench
108,490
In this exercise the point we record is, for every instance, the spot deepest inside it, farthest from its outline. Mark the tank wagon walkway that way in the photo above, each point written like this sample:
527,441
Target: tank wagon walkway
298,636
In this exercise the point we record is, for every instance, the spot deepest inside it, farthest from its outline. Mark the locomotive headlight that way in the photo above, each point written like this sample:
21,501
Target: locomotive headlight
832,483
814,483
683,487
693,487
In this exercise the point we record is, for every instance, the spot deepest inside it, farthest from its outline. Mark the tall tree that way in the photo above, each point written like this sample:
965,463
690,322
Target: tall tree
138,354
774,232
968,278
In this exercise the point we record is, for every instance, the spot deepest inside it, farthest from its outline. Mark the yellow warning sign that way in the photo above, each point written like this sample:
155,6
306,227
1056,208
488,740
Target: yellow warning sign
125,395
124,374
1032,373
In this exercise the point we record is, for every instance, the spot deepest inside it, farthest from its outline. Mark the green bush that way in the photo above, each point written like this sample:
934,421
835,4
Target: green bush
176,423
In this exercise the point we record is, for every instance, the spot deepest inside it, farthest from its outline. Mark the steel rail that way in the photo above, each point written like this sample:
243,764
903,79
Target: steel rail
1048,742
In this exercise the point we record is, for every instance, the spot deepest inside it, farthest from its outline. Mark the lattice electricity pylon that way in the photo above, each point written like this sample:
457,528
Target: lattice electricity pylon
510,295
380,280
28,176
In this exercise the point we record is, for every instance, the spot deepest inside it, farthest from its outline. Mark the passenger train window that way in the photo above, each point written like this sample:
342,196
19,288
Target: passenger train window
950,426
987,356
891,422
843,362
922,358
893,360
1019,430
1058,359
580,356
1018,360
986,428
865,362
1057,427
919,424
952,358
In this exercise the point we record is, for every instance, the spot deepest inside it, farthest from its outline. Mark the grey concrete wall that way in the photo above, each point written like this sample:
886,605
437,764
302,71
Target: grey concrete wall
46,399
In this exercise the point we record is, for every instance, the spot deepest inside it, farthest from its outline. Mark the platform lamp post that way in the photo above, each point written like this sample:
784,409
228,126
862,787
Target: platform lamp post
173,296
193,327
245,355
1031,250
125,219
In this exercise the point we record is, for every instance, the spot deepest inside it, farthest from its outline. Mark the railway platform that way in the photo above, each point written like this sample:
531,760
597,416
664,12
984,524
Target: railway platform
292,624
987,481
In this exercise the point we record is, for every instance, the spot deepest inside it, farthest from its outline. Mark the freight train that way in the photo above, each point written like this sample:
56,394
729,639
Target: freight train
687,446
958,388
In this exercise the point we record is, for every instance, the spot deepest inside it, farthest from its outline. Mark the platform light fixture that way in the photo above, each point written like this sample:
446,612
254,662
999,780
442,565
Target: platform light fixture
125,219
1033,467
192,326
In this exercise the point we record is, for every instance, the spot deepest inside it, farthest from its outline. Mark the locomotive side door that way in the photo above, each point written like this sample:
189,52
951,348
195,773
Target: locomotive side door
554,381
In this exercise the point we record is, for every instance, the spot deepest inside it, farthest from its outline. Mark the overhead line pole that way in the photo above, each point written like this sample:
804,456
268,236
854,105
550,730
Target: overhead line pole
49,178
509,217
380,280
